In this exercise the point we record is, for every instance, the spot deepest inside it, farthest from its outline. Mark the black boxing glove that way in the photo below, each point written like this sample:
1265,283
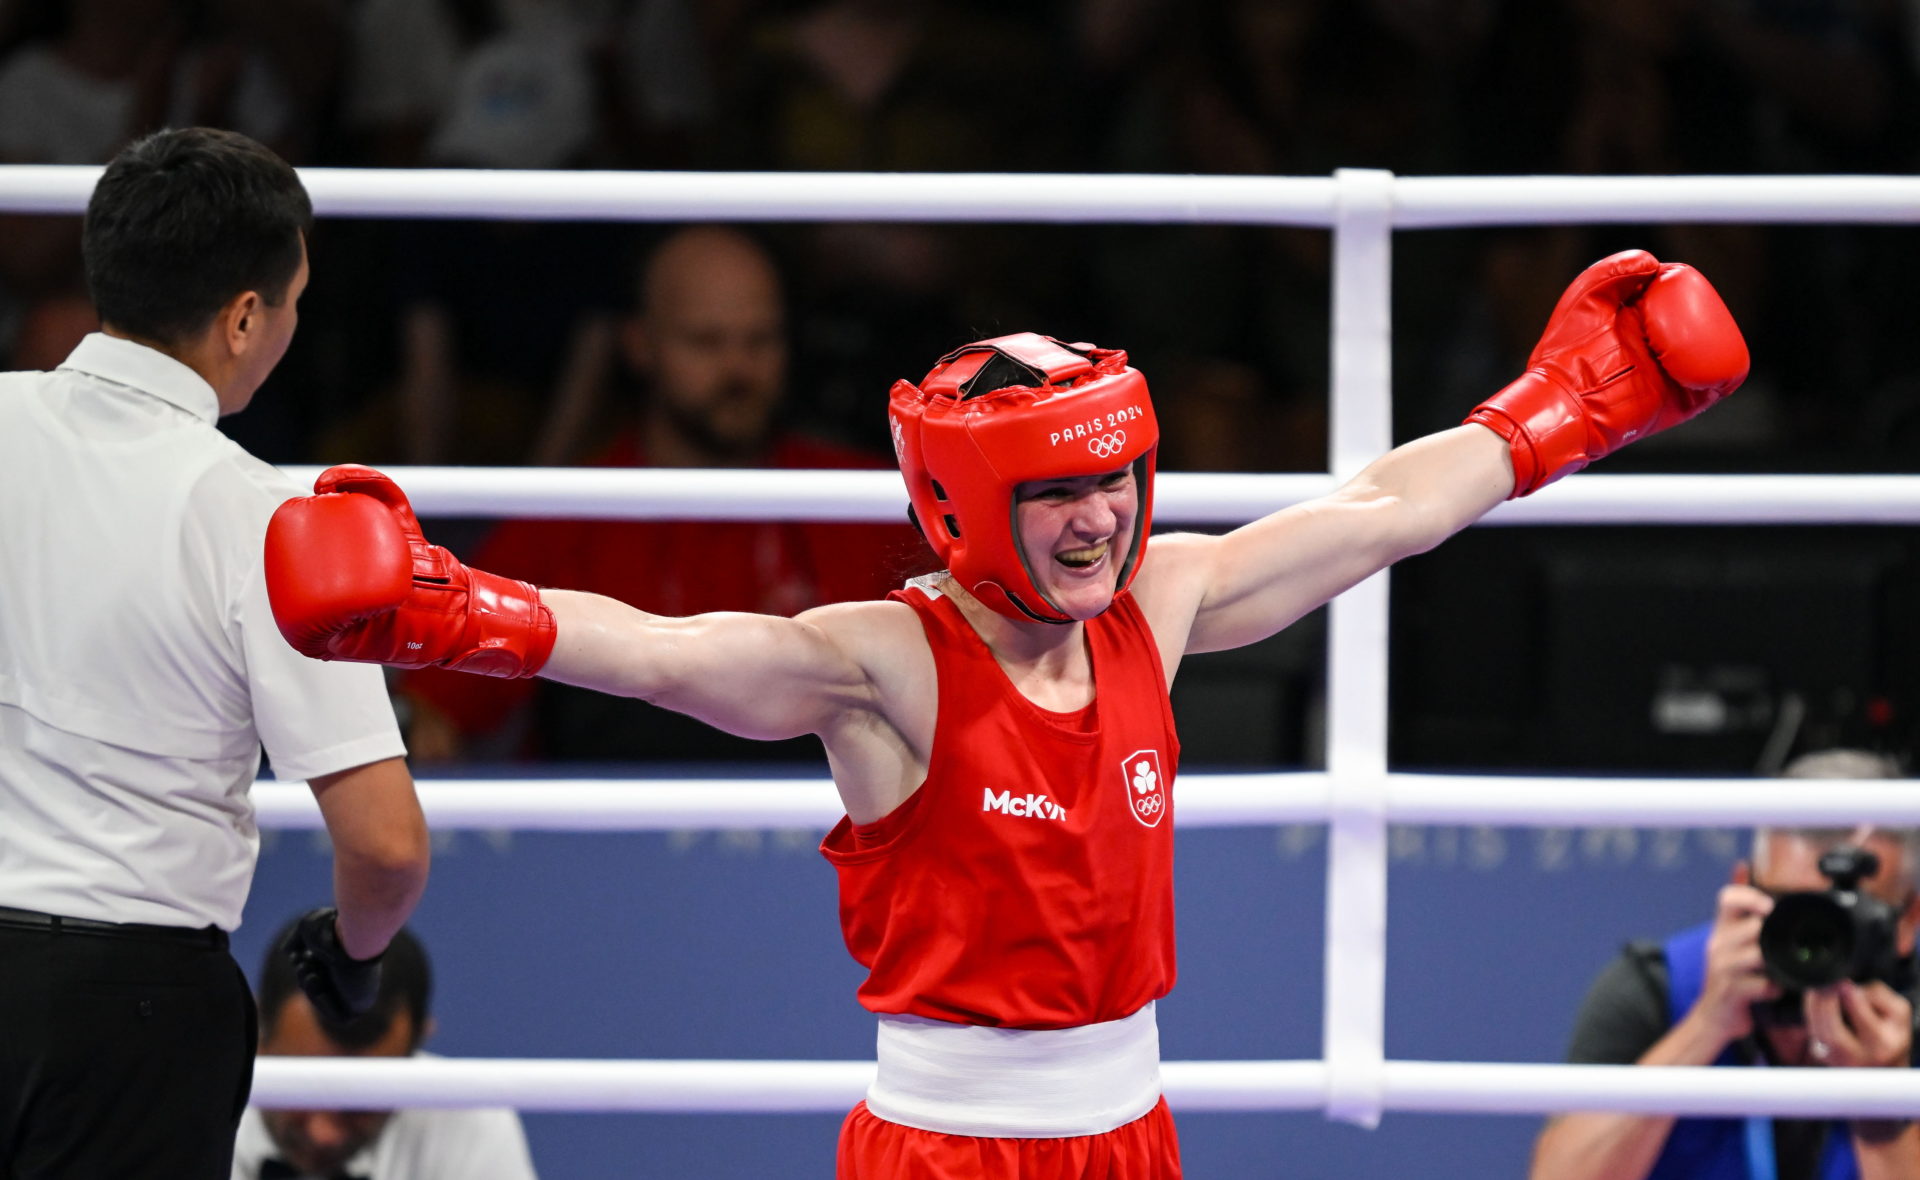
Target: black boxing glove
340,986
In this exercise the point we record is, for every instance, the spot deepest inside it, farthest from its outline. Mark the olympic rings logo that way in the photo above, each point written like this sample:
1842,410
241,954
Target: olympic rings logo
1108,445
1151,805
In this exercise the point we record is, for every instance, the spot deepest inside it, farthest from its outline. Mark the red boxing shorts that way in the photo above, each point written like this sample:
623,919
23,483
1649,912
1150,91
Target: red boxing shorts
872,1148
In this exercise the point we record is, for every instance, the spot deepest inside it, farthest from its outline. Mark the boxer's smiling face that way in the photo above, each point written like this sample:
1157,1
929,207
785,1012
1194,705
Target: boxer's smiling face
1075,534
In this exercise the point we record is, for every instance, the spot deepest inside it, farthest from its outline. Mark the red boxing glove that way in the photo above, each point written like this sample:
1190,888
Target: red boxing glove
350,577
1633,347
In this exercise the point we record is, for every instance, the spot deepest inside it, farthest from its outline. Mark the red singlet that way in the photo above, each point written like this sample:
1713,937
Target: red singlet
1028,883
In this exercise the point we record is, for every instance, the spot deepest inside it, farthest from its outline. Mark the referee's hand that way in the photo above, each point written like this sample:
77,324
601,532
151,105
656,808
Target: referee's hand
340,986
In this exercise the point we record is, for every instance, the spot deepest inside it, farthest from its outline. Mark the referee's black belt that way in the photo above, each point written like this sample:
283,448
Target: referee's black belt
207,936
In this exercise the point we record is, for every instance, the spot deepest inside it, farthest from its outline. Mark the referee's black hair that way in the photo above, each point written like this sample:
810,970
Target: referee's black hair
406,983
181,222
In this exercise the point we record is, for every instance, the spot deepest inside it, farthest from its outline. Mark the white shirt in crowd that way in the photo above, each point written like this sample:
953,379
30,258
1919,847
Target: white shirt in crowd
481,1144
57,114
140,668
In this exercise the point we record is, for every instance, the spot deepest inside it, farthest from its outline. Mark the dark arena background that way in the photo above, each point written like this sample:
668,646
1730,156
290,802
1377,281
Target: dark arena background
1579,650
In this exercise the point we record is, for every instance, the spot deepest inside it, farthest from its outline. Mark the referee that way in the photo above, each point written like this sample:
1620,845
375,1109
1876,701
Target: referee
140,675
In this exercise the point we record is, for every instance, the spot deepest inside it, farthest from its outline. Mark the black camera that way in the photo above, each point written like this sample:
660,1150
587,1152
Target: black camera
1816,939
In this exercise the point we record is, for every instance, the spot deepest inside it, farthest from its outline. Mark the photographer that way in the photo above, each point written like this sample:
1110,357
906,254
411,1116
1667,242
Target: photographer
1705,997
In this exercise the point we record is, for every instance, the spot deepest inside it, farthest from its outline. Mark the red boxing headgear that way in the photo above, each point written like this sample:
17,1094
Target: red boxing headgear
1001,412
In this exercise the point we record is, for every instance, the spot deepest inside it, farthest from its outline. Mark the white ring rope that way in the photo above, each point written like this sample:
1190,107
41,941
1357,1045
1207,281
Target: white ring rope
756,196
1417,202
664,805
1363,208
830,1087
1206,801
1191,498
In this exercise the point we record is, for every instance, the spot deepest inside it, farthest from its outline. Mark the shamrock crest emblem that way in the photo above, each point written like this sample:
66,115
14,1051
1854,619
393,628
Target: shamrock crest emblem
1146,786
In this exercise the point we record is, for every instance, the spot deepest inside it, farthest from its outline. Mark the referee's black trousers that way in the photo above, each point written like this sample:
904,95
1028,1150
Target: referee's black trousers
123,1055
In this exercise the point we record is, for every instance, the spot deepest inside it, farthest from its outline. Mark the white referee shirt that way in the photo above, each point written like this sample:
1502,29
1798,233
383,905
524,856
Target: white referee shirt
140,669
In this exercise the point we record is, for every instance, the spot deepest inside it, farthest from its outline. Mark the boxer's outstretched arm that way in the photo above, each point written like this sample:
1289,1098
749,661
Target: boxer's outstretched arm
1633,347
1263,576
1250,583
757,676
350,577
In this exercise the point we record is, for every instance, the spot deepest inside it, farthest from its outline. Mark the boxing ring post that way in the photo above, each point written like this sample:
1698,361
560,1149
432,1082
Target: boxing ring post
1357,796
1353,1013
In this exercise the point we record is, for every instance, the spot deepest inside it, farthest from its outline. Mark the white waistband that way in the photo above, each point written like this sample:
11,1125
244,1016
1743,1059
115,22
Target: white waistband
965,1079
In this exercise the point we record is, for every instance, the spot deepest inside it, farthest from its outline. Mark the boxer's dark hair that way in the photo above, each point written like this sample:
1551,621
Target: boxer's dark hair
406,984
998,373
183,221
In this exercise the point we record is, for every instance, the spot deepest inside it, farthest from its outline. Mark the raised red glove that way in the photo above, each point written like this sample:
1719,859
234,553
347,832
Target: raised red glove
1633,347
350,577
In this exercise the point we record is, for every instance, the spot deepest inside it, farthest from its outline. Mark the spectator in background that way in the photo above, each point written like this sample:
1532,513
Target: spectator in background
268,71
903,86
77,94
402,56
708,340
83,80
1239,314
502,84
667,64
522,97
1652,87
460,1144
1704,997
479,359
471,83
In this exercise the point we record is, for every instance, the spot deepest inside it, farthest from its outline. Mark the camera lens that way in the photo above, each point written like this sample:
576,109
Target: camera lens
1808,940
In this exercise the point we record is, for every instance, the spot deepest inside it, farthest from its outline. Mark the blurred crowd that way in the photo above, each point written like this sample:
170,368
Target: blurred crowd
503,342
495,342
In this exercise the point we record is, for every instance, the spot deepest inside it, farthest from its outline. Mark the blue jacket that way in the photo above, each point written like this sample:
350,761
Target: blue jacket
1721,1148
